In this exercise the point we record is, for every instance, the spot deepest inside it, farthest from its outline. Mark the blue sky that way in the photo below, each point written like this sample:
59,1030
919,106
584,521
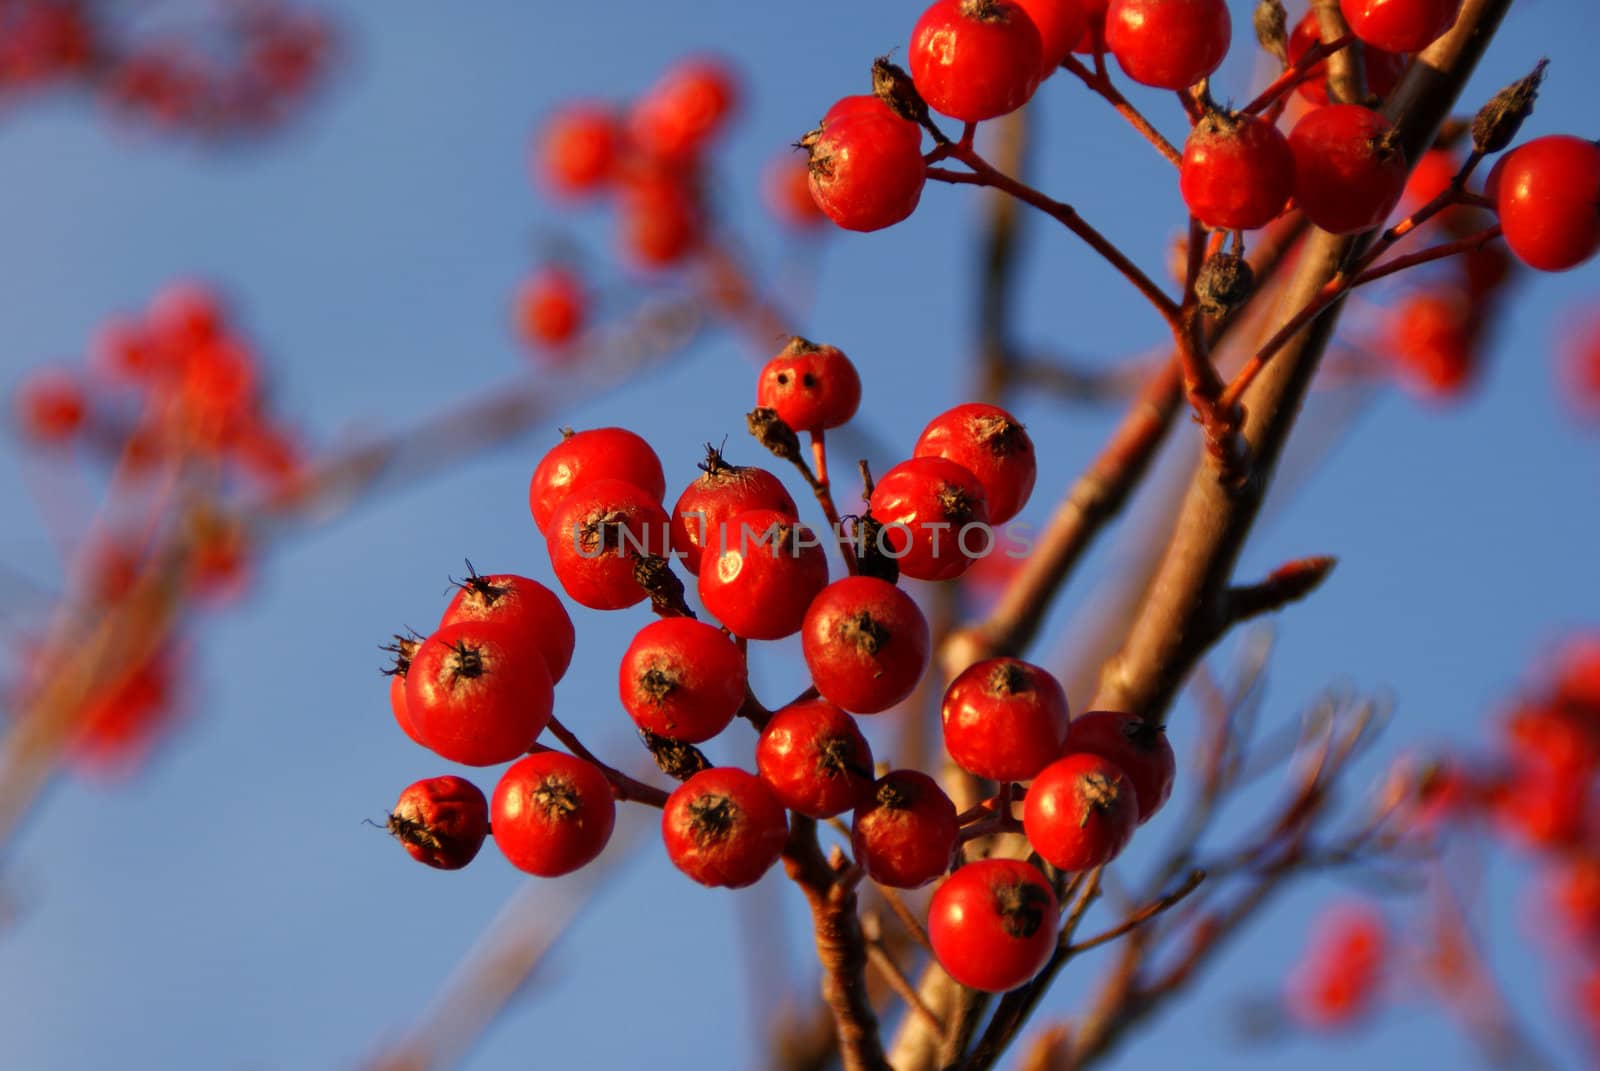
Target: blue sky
228,908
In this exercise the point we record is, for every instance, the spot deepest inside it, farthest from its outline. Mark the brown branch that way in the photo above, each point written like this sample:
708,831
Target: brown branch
1287,583
1187,597
622,786
1097,496
1141,916
879,956
841,947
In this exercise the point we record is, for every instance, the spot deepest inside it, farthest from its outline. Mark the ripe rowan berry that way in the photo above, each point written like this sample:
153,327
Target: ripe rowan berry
760,584
935,517
975,59
683,111
1168,44
866,644
1548,195
1135,745
814,759
786,185
1349,170
720,493
552,813
1337,982
185,316
873,105
442,821
596,454
1431,342
661,221
1382,69
123,350
1400,25
865,167
550,307
993,924
1004,719
1237,172
595,537
50,407
578,150
988,442
519,603
683,679
477,693
1080,812
1061,25
1095,11
905,831
812,386
723,827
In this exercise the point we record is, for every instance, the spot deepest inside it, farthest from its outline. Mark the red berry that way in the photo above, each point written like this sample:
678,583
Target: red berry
812,387
1237,172
577,151
988,442
1548,195
585,456
1080,812
719,494
403,648
761,582
1400,25
786,185
1349,170
524,605
660,219
814,759
552,813
50,407
905,834
724,827
993,924
1095,10
975,59
1431,340
1383,69
683,679
478,694
123,350
682,112
1061,25
935,517
550,307
865,168
185,316
1136,746
442,821
1337,981
1004,719
595,536
865,643
1168,44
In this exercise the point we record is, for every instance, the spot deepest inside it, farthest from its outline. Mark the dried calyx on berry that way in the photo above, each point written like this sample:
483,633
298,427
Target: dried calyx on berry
676,759
1498,121
770,431
893,85
1226,281
402,648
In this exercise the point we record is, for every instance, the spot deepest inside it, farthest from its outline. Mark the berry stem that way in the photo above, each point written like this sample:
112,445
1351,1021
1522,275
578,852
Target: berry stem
1100,83
625,788
1334,291
984,174
1295,73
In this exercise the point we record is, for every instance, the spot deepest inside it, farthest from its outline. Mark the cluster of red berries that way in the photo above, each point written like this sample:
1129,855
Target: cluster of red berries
169,397
479,690
1341,164
246,69
1539,791
649,158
